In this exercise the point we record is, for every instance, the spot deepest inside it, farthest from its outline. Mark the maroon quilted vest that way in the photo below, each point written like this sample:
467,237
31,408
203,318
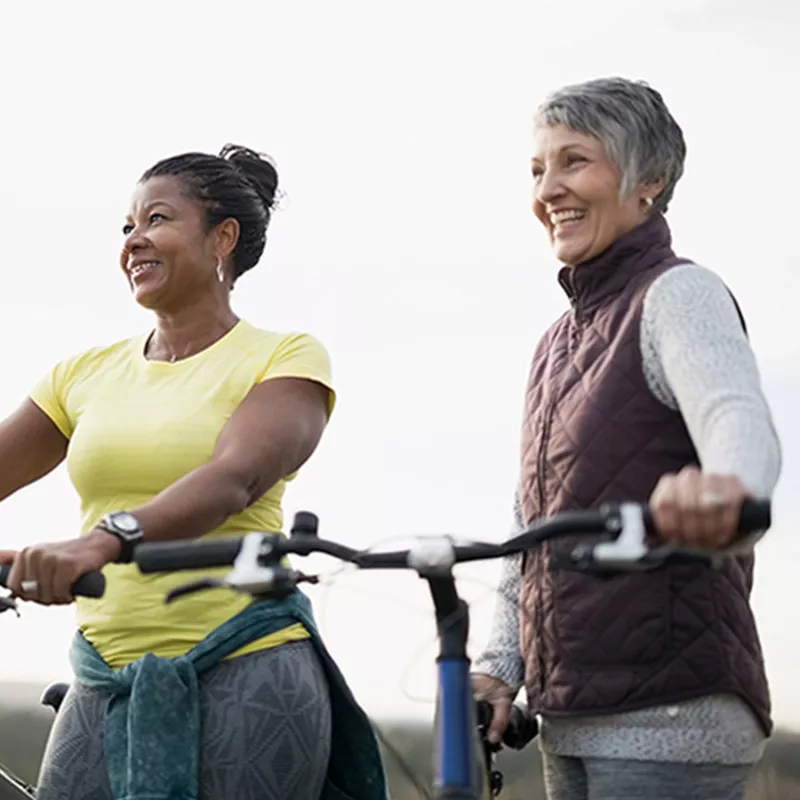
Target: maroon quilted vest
593,432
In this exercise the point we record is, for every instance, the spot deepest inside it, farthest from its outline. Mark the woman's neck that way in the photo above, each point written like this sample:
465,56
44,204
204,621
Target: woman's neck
183,333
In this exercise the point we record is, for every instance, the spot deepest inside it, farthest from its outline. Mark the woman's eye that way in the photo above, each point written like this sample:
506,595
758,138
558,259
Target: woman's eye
153,218
573,159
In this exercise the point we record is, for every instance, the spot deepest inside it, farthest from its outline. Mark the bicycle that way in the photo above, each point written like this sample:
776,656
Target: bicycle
258,570
521,728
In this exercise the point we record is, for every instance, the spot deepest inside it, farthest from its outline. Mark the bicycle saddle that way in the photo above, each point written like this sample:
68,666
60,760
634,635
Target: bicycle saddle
53,695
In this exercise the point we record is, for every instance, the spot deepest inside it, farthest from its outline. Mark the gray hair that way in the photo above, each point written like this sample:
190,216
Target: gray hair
632,121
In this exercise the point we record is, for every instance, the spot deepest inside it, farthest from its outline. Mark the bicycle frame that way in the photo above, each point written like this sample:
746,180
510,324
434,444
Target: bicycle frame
13,787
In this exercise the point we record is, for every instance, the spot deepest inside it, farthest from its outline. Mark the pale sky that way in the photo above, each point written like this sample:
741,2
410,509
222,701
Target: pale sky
402,133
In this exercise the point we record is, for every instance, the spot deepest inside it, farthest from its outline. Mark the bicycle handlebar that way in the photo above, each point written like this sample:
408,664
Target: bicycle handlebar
627,523
258,571
92,584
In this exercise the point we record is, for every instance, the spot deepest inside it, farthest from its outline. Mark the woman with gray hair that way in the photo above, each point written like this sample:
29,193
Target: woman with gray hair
646,389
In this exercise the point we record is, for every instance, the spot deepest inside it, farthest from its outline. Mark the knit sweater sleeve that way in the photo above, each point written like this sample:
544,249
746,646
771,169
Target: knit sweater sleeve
502,657
697,360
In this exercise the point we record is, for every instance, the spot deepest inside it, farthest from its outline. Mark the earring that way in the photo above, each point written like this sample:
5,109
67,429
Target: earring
220,271
648,204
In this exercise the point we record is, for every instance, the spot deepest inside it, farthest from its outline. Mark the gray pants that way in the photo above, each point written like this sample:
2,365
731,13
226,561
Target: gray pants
266,732
612,779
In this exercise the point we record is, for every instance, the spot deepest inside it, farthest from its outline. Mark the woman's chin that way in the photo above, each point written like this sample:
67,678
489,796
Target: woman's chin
569,253
572,252
147,296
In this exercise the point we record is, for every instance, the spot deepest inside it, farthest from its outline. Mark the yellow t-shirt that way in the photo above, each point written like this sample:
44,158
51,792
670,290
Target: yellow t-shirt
137,426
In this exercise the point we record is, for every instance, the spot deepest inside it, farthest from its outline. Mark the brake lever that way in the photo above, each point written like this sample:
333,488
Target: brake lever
584,558
281,585
278,585
194,586
629,550
9,603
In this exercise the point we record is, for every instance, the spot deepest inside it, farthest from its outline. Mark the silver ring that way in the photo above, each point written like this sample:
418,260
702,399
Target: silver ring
712,500
30,587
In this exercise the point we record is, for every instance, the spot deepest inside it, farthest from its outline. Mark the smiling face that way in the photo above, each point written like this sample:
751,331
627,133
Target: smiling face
577,194
168,255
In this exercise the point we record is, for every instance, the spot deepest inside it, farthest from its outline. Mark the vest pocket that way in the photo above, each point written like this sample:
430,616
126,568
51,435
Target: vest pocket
611,622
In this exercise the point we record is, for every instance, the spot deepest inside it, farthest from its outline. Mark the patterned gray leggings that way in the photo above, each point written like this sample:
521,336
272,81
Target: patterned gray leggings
266,732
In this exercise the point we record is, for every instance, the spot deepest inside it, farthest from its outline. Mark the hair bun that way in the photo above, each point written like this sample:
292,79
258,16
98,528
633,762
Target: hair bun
257,168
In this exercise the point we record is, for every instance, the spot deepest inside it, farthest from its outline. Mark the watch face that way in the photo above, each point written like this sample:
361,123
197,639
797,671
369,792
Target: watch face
127,523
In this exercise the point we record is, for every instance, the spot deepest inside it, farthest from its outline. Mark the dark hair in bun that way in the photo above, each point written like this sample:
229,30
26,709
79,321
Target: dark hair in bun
238,183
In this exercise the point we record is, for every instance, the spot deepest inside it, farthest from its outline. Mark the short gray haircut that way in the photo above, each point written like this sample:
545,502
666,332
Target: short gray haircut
632,121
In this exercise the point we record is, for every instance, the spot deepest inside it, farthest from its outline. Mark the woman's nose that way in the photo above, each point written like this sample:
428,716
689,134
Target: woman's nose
549,187
134,240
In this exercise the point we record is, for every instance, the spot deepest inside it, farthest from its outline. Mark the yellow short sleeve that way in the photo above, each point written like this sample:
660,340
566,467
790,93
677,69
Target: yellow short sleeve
50,395
301,355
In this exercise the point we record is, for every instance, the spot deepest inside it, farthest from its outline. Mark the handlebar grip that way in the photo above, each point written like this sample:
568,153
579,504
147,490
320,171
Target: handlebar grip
522,728
169,556
756,515
91,584
522,725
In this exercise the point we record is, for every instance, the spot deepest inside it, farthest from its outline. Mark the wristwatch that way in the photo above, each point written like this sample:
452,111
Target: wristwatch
126,528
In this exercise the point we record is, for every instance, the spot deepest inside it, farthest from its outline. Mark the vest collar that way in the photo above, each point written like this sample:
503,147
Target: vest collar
638,250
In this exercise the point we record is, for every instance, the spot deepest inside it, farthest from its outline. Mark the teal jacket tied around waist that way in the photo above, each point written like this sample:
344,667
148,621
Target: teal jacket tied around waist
152,727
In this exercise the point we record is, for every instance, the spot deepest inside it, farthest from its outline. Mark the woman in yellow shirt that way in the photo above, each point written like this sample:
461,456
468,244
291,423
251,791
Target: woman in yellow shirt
191,430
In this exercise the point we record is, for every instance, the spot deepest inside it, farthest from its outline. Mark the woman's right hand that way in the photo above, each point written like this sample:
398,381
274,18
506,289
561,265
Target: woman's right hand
500,695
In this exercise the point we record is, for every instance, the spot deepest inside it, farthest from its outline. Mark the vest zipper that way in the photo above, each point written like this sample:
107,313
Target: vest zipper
539,627
577,326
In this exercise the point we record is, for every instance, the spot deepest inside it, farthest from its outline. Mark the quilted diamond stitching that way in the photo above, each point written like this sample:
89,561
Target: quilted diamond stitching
569,384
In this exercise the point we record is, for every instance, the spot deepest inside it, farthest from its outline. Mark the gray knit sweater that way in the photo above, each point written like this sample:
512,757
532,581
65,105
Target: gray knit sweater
697,360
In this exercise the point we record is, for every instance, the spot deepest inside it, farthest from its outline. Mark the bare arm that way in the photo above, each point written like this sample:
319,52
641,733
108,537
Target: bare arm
272,433
31,446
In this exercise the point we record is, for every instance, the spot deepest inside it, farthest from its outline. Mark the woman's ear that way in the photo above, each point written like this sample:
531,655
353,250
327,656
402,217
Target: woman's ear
649,192
226,237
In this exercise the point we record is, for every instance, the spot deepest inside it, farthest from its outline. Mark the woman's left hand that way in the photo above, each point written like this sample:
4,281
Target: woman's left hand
695,509
45,573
